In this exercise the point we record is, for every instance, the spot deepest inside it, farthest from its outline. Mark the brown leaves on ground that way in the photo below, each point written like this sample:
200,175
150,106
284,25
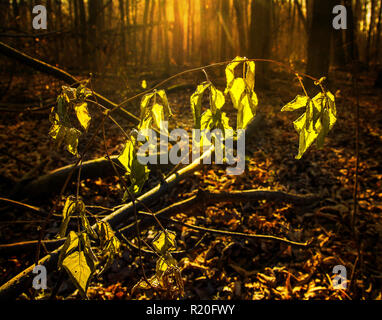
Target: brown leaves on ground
222,267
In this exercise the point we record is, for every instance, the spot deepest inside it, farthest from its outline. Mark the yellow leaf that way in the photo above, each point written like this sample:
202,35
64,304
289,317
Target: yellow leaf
165,241
78,269
157,114
71,243
82,113
164,263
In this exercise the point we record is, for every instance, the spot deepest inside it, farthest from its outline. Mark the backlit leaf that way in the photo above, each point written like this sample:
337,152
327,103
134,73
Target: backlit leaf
230,72
196,103
71,207
250,74
79,271
127,155
296,103
71,244
316,122
165,263
217,99
164,242
157,114
88,252
83,115
166,107
145,110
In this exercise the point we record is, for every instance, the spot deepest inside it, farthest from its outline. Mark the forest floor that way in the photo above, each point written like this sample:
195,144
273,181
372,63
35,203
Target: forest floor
219,266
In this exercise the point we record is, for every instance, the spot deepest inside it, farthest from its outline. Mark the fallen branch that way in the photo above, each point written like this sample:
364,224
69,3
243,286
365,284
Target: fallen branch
14,287
207,197
202,197
53,181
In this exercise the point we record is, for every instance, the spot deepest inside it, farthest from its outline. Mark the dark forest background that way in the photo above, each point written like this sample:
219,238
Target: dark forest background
121,37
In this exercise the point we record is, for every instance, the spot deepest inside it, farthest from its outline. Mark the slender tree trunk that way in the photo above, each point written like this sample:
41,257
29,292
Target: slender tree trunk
151,30
94,7
144,31
165,38
84,34
319,42
203,33
178,34
338,48
378,36
240,26
224,29
189,31
352,52
260,38
370,31
123,52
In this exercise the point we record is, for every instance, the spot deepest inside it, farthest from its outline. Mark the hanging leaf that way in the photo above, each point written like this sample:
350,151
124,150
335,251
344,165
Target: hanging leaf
138,173
297,103
71,243
328,117
243,98
165,264
144,84
71,140
250,74
196,103
230,72
86,225
83,115
157,114
127,155
70,208
316,122
217,99
110,244
138,176
87,249
82,92
166,107
77,266
68,136
154,282
164,242
145,110
237,92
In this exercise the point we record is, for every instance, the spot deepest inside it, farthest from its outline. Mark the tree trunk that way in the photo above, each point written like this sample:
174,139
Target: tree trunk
338,48
165,38
319,41
84,34
94,31
240,26
224,29
203,33
178,35
123,52
144,31
150,36
352,48
370,31
378,36
260,38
